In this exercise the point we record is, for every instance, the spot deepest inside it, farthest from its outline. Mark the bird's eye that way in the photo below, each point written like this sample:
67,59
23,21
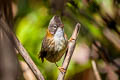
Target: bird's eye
55,26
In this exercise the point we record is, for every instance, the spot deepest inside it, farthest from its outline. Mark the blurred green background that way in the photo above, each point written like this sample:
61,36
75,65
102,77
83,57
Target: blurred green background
32,19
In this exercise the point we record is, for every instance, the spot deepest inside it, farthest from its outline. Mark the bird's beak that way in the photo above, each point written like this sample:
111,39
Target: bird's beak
62,25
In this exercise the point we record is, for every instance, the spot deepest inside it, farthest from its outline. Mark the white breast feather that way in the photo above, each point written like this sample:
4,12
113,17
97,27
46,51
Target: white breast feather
59,39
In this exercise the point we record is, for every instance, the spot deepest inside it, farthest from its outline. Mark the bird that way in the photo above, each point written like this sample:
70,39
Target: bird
55,42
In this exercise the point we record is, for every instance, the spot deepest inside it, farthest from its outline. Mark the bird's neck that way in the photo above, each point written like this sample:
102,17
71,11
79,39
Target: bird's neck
49,34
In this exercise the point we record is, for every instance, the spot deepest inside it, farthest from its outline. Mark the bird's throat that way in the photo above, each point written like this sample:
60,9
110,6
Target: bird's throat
49,35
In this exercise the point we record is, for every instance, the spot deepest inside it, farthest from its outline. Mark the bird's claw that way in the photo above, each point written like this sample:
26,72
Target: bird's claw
71,39
61,69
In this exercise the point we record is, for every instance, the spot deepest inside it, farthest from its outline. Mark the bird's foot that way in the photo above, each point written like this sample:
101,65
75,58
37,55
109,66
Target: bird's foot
71,39
61,69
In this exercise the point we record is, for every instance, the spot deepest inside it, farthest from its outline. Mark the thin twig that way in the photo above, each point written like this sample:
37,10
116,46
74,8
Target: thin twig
96,73
71,47
112,37
22,51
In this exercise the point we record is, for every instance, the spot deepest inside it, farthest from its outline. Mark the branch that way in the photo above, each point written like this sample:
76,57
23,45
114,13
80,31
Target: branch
96,73
22,51
112,37
71,47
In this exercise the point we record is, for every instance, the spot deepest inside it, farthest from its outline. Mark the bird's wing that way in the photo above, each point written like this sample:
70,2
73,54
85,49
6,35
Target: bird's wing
46,47
43,52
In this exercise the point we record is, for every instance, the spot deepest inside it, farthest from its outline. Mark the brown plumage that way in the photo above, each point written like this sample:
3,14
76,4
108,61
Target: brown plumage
55,42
